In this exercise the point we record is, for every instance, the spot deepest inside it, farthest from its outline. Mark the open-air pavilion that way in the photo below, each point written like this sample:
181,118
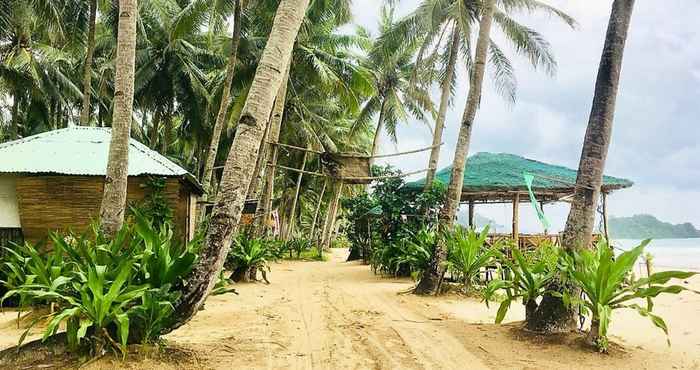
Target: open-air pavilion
493,178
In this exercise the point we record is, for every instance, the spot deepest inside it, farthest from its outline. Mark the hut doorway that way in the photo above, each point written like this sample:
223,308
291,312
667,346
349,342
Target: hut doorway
10,227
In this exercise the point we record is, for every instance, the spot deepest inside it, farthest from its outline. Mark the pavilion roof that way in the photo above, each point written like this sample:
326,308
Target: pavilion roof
493,176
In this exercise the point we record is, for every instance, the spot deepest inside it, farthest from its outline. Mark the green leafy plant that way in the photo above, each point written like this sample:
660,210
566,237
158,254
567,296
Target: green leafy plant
408,256
108,292
608,284
298,246
525,277
468,254
247,256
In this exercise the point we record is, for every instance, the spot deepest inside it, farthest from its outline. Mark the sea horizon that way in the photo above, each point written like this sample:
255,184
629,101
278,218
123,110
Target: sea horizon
668,253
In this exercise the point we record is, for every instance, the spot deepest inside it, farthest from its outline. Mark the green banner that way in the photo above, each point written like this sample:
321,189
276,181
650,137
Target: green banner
529,178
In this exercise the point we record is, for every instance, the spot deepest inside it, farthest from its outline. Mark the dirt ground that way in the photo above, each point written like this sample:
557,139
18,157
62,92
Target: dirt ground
338,315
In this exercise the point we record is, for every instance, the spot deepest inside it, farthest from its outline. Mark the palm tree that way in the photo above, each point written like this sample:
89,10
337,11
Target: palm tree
436,19
395,97
552,315
326,84
114,198
87,70
34,67
223,105
430,282
171,77
456,19
242,158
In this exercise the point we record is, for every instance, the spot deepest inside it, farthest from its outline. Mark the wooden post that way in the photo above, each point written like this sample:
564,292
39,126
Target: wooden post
471,214
318,209
330,216
516,220
290,227
605,217
546,232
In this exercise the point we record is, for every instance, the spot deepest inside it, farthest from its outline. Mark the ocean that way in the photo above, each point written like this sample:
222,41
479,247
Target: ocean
669,253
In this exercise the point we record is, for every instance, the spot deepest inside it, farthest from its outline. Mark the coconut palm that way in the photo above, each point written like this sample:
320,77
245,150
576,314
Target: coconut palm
242,157
552,315
87,68
223,105
327,84
395,98
35,65
113,205
528,43
445,29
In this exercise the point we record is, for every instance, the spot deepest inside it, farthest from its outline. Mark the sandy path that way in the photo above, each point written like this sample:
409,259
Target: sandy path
338,315
331,315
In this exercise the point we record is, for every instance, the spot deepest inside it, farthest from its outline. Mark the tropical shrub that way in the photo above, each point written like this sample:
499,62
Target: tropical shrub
108,292
468,254
608,284
409,256
390,213
247,256
524,277
297,246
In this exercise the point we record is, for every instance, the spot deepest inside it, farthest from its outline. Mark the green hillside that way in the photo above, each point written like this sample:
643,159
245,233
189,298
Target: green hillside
648,226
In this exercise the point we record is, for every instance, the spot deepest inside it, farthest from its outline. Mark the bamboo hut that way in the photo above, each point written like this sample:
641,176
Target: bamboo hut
492,178
55,180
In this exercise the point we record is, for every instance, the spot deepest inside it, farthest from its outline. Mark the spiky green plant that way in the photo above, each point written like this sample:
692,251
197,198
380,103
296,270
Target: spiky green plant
468,254
608,284
526,277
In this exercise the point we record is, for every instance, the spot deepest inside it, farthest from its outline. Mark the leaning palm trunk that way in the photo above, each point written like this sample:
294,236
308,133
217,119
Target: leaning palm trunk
265,205
430,281
87,72
552,315
442,111
114,197
225,98
241,159
258,172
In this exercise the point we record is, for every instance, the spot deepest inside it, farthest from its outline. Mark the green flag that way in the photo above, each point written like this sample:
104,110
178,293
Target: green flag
529,178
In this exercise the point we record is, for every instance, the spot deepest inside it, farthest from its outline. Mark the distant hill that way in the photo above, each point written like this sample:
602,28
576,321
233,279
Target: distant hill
480,221
648,226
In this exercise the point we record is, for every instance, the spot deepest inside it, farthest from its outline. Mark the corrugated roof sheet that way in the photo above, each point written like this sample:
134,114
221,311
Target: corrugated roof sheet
79,151
503,171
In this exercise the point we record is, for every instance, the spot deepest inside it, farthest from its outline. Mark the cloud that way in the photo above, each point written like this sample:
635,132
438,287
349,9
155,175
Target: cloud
655,135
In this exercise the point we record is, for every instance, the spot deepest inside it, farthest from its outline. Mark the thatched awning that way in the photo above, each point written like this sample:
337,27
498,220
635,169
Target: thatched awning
497,177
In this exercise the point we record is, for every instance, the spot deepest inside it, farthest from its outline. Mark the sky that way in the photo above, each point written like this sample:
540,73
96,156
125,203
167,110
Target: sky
656,135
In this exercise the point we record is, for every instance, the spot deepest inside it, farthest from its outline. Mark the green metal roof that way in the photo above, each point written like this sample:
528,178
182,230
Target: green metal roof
81,151
504,172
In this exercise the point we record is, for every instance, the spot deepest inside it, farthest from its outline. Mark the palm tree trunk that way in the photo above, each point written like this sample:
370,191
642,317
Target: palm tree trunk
241,159
430,282
254,186
552,315
87,72
167,129
114,197
14,130
378,131
157,117
265,206
442,111
290,228
225,98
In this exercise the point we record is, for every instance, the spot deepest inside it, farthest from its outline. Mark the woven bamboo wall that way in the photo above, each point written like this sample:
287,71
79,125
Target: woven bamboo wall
73,202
